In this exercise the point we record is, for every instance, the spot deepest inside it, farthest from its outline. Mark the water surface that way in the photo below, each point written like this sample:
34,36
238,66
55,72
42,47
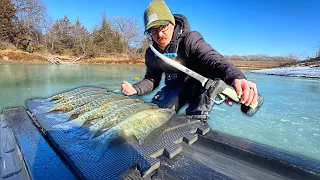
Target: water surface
288,120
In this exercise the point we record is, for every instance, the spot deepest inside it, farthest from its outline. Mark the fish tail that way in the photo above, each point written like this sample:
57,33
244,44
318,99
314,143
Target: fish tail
85,132
57,101
90,132
173,110
69,114
53,98
70,125
91,150
53,109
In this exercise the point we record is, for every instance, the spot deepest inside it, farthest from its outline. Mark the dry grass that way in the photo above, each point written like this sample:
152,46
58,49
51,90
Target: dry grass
259,64
20,57
111,60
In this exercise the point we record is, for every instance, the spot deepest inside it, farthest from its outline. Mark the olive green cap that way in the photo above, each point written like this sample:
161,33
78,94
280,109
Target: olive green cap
157,13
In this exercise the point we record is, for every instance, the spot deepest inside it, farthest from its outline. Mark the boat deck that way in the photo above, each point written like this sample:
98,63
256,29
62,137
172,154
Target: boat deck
212,156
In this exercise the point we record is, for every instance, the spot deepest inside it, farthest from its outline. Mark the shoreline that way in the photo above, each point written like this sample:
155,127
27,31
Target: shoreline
20,57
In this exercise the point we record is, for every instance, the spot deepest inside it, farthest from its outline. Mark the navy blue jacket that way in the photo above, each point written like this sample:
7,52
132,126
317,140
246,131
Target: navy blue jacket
193,52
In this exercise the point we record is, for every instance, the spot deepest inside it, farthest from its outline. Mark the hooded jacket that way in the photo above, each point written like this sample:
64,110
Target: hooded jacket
192,52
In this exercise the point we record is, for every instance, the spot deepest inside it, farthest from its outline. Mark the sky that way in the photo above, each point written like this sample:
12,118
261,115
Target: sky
232,27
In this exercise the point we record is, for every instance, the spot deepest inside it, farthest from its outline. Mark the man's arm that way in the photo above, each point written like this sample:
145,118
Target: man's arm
209,62
152,77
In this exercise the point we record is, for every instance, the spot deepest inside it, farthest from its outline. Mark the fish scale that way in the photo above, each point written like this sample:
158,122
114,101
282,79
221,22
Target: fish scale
74,91
74,103
80,96
108,107
113,119
139,124
96,103
95,113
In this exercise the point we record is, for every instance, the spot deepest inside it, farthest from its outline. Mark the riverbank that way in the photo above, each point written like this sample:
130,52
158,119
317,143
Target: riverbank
20,57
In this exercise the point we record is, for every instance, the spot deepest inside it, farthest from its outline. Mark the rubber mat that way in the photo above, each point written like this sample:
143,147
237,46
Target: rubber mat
123,154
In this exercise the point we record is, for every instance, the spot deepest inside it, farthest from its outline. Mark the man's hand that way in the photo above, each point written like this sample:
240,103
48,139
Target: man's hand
247,90
127,88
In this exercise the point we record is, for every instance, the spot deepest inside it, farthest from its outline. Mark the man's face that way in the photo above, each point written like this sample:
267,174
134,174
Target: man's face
162,35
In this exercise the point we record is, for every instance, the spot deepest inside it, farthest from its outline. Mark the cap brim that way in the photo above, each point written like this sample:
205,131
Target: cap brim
157,23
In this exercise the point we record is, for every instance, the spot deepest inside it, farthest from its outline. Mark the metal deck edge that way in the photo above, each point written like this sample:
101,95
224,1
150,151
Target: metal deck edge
216,157
15,167
40,158
274,157
276,162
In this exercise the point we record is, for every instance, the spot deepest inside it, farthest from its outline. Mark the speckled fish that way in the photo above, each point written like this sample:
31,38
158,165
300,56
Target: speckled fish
113,119
100,112
70,105
80,96
96,103
140,125
73,92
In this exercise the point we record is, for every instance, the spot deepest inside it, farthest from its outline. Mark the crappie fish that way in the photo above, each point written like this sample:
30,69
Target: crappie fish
113,119
139,125
74,91
80,96
96,103
74,103
95,113
64,94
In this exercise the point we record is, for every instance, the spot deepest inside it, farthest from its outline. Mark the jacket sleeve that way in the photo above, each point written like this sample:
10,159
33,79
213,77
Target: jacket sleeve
152,77
209,62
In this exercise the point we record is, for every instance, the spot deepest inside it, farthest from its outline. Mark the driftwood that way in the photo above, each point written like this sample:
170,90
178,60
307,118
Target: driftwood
54,60
78,58
61,60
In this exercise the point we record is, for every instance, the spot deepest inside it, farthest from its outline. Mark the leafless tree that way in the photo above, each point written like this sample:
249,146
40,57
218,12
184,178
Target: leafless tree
81,37
7,17
128,29
32,17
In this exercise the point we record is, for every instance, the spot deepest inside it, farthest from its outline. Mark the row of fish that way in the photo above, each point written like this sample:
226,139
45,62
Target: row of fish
114,115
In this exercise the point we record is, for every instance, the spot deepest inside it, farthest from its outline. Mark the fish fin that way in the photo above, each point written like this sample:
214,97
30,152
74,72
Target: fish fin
58,101
69,114
173,109
70,125
52,109
90,134
91,150
85,132
139,136
153,105
53,98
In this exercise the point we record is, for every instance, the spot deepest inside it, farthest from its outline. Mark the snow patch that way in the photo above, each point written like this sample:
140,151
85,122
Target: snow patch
296,71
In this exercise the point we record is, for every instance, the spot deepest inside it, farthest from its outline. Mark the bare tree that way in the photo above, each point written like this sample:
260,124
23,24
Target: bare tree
60,36
81,37
128,29
7,16
31,16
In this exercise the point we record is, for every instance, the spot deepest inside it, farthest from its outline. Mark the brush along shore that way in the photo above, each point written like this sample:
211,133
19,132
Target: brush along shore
21,57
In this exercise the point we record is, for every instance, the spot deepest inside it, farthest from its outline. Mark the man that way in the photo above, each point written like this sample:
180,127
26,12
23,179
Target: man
171,36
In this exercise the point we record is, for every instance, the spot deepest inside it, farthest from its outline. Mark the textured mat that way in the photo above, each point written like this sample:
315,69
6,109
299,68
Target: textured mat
123,154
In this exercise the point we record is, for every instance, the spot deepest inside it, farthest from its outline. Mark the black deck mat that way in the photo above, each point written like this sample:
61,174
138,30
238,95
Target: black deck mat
123,154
